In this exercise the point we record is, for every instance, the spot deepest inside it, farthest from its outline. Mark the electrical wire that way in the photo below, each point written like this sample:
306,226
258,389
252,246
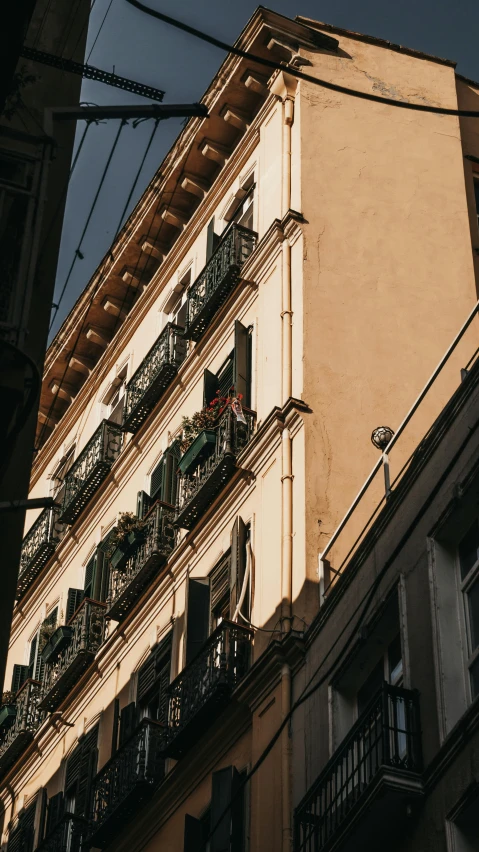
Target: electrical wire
142,163
99,31
295,72
22,418
85,26
68,28
78,254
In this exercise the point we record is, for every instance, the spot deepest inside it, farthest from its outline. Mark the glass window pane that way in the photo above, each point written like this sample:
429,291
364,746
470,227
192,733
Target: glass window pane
473,605
474,671
395,661
468,549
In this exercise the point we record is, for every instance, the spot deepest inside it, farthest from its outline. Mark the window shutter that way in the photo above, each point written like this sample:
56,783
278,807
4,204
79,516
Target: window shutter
198,616
156,480
225,377
181,315
163,678
195,834
87,769
54,811
19,676
90,572
219,583
146,678
74,599
73,768
238,565
170,479
102,578
225,791
212,239
152,672
128,721
143,503
39,668
210,387
241,369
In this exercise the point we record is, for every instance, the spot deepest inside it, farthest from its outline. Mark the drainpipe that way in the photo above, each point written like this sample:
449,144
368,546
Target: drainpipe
287,548
286,797
288,116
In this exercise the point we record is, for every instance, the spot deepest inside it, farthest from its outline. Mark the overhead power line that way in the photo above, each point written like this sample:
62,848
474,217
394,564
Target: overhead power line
89,72
295,72
99,31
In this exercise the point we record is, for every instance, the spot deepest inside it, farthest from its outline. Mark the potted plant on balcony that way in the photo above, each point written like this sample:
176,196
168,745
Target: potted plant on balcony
199,430
128,533
8,710
58,640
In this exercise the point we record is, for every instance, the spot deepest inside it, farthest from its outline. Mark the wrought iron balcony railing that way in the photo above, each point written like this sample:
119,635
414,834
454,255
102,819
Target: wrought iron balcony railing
218,278
90,469
88,631
204,687
199,486
153,376
27,720
386,739
37,547
152,551
66,836
126,781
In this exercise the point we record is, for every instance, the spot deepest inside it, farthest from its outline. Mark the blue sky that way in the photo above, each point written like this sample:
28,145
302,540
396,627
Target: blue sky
151,52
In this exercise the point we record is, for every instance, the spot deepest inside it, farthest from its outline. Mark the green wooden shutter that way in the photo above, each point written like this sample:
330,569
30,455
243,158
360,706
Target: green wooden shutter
19,676
170,478
128,721
33,656
163,679
74,599
54,811
87,769
226,794
23,836
90,577
238,566
210,387
197,616
241,363
143,503
195,834
156,481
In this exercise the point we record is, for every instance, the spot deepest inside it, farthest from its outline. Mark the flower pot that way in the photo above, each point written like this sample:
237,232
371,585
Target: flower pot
8,714
57,642
202,446
134,538
119,556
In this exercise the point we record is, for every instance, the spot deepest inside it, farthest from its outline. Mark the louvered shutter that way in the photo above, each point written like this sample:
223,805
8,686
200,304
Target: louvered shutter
170,479
163,680
19,676
74,599
23,836
156,481
73,769
212,239
90,572
195,834
55,809
103,577
33,657
146,678
39,668
197,616
238,566
226,793
87,769
143,503
210,387
219,583
128,721
241,363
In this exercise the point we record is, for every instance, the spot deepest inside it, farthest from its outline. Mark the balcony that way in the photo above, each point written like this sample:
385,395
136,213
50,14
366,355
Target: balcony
218,279
66,836
363,788
37,547
27,720
126,781
204,687
88,630
90,469
153,376
201,484
149,555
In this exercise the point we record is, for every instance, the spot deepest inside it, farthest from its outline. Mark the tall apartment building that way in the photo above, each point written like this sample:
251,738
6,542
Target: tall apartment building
292,275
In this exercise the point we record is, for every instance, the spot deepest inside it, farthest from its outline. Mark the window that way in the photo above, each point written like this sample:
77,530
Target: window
97,575
234,375
22,837
115,399
59,476
468,559
79,772
163,483
36,666
153,682
215,598
212,239
230,832
244,213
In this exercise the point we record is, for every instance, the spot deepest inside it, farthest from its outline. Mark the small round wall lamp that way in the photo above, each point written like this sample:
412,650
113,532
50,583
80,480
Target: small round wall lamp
381,437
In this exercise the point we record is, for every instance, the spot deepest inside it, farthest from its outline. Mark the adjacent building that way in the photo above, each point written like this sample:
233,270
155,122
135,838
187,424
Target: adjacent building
291,277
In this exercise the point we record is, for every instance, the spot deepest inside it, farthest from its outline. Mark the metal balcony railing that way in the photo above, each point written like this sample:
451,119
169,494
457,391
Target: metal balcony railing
126,781
37,547
88,631
66,836
27,720
204,687
198,488
153,376
387,735
150,553
90,469
218,278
